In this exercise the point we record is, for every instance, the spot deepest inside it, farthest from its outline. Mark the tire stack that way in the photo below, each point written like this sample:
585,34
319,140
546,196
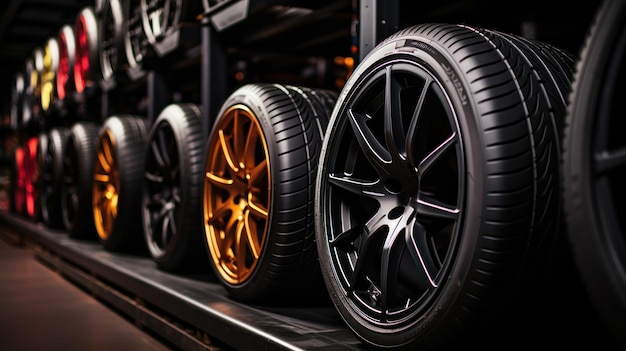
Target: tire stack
121,139
81,88
431,200
27,122
52,137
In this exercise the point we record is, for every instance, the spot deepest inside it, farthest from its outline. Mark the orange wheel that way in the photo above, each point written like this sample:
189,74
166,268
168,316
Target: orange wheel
261,161
116,192
237,195
106,186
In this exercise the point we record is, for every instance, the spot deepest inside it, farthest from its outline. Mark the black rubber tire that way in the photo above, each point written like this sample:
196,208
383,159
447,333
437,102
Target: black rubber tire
172,190
76,189
289,123
434,208
594,166
118,173
51,177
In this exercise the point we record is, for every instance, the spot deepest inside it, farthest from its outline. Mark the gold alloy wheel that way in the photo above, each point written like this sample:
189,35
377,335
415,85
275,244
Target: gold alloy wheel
105,186
48,74
237,194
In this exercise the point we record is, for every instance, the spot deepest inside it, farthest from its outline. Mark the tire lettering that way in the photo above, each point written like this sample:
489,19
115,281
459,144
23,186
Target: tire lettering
411,45
456,82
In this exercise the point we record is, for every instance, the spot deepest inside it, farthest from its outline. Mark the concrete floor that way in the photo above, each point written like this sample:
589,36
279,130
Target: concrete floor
41,310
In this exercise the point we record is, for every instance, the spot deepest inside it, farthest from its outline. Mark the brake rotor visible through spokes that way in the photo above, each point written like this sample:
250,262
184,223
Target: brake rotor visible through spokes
237,194
105,186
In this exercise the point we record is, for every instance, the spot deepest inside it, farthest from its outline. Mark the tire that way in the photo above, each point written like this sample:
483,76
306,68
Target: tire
594,168
51,177
117,178
435,211
258,203
172,190
76,190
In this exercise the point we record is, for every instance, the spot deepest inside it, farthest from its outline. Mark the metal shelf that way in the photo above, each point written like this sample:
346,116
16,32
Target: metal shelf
192,311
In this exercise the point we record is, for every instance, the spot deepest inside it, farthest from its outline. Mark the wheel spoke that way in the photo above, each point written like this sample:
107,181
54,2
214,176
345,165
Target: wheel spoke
367,251
229,154
221,182
412,138
251,236
167,227
427,207
153,177
437,154
377,155
416,239
241,248
390,262
394,129
607,161
358,187
159,154
249,150
257,209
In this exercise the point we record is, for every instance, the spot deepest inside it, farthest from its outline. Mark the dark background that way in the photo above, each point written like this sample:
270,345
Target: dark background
27,24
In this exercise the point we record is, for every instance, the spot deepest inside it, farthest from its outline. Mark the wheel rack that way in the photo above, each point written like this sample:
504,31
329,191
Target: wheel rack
194,312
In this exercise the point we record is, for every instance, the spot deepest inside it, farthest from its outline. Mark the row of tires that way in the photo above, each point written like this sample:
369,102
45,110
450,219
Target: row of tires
427,200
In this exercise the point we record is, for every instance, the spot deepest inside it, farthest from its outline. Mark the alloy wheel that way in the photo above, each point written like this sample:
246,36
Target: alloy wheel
237,195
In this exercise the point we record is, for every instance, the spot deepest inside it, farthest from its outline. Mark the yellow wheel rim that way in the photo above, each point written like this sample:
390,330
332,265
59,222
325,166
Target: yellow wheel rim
106,186
237,194
50,66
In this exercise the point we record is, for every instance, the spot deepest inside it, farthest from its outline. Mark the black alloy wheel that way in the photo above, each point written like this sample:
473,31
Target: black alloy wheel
110,38
437,193
76,189
172,190
51,177
135,40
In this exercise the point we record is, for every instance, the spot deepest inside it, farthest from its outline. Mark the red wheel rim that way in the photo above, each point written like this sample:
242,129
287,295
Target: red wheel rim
31,173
